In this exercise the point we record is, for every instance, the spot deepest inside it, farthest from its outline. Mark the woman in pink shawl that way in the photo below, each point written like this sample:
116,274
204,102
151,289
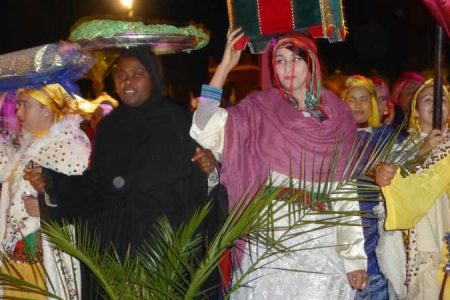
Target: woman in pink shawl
262,140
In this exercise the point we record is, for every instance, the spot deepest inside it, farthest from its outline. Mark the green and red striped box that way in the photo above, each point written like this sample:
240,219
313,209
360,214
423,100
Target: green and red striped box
263,19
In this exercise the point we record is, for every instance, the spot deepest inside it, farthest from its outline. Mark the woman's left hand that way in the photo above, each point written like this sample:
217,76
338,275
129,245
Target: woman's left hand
205,160
31,205
358,279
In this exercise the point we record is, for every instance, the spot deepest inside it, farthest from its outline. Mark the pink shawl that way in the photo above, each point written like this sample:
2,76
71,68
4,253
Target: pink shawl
264,132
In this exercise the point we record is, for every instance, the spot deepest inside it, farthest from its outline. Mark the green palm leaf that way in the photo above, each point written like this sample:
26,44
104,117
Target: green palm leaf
176,263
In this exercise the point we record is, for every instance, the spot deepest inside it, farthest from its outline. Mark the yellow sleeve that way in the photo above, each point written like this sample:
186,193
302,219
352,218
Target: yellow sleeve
409,199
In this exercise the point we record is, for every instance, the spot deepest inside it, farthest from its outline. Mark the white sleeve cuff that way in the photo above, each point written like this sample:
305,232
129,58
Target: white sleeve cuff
213,134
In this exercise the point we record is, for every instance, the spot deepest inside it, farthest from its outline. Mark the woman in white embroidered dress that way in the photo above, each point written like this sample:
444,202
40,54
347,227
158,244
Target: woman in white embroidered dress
50,137
268,131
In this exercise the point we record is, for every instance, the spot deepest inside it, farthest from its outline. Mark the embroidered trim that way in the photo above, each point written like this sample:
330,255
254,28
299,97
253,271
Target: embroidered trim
258,10
292,14
230,13
327,17
436,155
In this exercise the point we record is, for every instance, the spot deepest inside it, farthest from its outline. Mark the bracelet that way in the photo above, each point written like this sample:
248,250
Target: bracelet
211,92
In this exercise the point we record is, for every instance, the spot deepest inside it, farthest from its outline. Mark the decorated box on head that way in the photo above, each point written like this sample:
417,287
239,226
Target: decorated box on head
263,19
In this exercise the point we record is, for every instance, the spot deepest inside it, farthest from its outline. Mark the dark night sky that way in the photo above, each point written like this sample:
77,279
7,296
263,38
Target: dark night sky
390,36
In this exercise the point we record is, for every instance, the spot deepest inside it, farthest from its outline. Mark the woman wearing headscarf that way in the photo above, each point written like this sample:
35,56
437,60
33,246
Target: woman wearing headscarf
142,166
384,100
402,92
51,137
261,141
360,95
419,202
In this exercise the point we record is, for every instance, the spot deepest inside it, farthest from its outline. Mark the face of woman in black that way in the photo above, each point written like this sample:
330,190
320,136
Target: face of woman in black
132,81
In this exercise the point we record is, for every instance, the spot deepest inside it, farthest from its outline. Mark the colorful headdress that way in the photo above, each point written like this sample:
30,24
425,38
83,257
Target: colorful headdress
87,108
313,78
381,84
35,67
399,85
413,119
361,81
105,98
55,97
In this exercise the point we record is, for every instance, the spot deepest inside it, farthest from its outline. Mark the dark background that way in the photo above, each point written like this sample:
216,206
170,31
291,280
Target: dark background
385,36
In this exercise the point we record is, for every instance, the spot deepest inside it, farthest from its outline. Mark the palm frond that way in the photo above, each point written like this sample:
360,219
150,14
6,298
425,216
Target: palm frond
176,263
12,280
86,249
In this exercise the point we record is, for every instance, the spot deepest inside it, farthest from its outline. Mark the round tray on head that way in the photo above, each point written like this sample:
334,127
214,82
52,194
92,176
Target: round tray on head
100,34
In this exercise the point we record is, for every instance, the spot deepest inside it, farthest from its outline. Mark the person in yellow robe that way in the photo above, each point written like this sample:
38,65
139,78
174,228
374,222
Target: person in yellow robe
419,202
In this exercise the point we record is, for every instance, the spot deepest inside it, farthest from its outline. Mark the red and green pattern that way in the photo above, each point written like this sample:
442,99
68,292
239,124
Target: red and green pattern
29,249
261,19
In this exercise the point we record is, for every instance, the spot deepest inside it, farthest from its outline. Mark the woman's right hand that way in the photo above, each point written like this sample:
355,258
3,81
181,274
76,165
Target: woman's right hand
384,173
229,60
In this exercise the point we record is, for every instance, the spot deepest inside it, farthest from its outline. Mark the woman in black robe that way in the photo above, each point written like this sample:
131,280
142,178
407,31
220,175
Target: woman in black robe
141,165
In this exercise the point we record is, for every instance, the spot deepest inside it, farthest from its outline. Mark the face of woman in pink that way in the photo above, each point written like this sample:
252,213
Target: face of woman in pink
291,70
359,100
424,109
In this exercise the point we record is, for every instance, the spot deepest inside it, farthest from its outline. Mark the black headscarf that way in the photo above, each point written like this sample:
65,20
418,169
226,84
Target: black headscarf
153,67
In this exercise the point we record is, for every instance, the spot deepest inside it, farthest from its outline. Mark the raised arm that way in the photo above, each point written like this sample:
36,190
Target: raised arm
209,119
229,60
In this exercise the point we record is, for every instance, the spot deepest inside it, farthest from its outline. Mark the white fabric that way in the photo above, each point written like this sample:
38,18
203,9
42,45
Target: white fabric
342,252
391,255
206,108
323,259
431,229
65,274
426,240
428,235
64,149
320,273
211,134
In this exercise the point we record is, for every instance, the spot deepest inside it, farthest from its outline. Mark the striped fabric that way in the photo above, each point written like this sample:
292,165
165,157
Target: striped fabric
260,19
211,92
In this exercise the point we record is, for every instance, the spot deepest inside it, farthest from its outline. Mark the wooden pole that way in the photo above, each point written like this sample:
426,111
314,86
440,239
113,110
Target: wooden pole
437,89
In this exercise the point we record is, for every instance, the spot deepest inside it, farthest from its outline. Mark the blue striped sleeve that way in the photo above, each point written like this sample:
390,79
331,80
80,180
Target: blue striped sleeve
211,92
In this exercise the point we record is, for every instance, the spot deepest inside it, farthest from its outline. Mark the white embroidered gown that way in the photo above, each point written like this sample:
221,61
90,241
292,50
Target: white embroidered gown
337,250
65,149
